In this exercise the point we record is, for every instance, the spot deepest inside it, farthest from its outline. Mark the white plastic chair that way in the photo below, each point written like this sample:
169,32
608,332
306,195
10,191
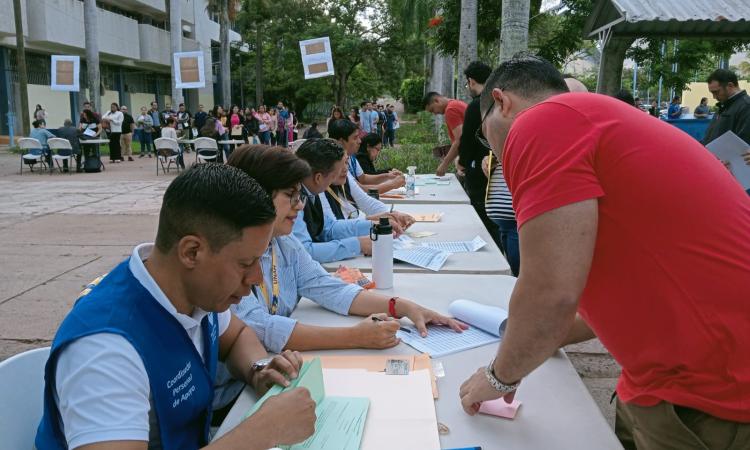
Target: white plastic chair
206,149
33,155
294,145
167,152
22,398
63,151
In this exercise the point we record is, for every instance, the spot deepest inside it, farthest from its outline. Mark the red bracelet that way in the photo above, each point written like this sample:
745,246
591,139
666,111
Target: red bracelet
392,307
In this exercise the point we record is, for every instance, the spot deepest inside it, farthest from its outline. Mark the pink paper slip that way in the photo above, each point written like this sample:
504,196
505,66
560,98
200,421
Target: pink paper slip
500,408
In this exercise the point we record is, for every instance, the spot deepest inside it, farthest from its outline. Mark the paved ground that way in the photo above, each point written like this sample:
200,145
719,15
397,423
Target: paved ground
58,232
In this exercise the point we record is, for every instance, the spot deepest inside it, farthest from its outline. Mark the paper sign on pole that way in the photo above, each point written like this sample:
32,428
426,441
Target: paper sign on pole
65,73
189,70
317,59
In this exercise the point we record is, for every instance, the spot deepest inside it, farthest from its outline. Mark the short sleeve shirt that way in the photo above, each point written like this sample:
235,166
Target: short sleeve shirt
454,116
667,292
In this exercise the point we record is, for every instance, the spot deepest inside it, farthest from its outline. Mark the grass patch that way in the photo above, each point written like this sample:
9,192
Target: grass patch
415,142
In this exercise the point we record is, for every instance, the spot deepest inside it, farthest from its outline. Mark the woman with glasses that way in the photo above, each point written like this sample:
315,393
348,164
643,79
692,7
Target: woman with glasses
289,273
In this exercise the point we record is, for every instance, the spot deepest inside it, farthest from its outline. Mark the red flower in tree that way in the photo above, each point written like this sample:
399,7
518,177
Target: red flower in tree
435,21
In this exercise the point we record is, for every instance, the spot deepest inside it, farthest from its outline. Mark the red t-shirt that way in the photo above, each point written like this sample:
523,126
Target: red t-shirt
668,292
454,116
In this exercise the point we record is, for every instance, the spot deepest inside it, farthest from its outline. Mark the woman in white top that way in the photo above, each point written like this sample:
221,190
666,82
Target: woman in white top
112,121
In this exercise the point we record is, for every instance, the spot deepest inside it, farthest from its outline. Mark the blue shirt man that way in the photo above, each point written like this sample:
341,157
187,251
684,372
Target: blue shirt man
675,109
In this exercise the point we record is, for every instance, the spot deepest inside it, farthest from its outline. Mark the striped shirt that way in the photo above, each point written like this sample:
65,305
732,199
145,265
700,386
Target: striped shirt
499,203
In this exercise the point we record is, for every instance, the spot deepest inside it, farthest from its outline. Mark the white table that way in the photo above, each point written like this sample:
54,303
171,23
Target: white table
435,193
459,223
557,411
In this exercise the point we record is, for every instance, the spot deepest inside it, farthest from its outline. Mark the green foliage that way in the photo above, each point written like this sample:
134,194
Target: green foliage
415,141
412,91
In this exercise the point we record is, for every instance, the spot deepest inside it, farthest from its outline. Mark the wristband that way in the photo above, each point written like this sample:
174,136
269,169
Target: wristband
392,308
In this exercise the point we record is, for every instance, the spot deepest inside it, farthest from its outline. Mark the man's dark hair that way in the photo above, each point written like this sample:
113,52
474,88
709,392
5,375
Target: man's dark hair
625,96
214,201
86,103
429,98
723,77
321,154
526,75
275,168
170,120
362,105
37,123
478,71
341,129
704,99
675,98
371,140
314,125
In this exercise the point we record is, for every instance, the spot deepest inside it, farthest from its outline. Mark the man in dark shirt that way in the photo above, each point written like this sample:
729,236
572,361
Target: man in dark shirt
470,150
69,132
200,117
733,112
312,132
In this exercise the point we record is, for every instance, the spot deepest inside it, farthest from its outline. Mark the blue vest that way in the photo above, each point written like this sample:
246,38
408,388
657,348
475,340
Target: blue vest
181,384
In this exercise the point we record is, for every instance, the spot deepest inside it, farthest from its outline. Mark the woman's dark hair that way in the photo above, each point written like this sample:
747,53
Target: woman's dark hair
209,128
90,116
214,201
356,113
321,154
171,120
38,107
215,111
275,168
334,110
341,129
117,107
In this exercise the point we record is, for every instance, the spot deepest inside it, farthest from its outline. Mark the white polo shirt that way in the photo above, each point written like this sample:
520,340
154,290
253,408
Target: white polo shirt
102,387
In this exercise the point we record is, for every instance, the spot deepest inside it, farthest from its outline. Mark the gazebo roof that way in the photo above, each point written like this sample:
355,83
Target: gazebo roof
721,19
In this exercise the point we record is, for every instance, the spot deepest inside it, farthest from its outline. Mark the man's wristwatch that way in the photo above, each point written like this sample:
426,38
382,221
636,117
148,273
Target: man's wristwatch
499,386
260,364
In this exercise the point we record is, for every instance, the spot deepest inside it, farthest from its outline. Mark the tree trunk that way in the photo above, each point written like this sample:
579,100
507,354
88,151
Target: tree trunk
341,89
448,66
23,80
258,66
92,52
175,40
224,50
514,31
610,68
467,44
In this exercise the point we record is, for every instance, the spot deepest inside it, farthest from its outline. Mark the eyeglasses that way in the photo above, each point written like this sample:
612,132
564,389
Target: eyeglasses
297,197
478,134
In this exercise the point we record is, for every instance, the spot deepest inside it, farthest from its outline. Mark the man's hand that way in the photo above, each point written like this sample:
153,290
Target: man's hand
396,182
422,317
290,416
365,245
395,173
405,220
477,389
442,168
398,228
378,334
280,370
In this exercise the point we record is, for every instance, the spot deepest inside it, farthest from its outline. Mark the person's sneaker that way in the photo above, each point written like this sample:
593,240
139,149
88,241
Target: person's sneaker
141,155
130,158
149,155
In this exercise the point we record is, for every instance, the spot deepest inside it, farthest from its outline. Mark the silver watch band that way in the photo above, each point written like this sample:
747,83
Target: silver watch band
497,384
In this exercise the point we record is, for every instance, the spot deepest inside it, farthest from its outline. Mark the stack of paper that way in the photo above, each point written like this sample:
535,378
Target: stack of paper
457,246
341,420
729,147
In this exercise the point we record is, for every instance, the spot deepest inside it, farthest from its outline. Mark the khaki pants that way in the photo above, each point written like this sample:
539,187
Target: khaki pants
125,141
670,427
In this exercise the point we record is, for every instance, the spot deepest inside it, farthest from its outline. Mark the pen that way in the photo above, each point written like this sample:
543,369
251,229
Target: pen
391,208
406,330
466,448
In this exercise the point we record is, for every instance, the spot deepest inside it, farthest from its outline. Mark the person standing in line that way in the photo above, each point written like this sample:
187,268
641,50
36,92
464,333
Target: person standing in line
453,110
354,117
702,111
167,113
200,118
675,108
126,138
264,125
145,128
281,130
155,120
184,125
336,114
273,126
40,114
113,119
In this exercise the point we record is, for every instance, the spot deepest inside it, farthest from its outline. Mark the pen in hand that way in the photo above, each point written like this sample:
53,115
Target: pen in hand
377,319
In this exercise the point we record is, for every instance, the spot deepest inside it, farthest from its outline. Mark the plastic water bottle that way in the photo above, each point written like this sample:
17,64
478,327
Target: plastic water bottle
381,235
411,181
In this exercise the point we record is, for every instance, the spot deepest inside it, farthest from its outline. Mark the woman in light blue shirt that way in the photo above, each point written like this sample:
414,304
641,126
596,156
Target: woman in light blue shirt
267,310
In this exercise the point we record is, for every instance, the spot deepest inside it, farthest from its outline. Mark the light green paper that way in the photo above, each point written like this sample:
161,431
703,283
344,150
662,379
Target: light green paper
310,377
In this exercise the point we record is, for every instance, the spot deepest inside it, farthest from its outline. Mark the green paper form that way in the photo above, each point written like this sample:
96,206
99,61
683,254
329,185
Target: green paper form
340,420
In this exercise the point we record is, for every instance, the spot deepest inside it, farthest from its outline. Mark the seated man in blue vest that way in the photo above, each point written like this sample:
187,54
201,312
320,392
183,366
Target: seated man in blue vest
132,366
326,239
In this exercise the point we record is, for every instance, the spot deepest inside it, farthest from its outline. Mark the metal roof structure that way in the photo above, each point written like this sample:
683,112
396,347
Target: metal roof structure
720,19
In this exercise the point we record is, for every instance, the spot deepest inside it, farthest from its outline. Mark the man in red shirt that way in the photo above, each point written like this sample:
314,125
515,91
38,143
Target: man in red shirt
453,110
638,228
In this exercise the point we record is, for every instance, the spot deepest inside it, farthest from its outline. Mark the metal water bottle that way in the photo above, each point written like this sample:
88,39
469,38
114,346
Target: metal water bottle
411,181
381,235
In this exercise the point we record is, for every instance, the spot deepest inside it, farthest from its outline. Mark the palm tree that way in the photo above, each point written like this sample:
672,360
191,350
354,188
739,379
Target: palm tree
514,29
467,44
175,39
227,11
91,30
21,63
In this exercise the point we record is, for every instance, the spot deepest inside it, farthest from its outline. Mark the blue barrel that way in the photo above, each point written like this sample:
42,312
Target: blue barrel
694,127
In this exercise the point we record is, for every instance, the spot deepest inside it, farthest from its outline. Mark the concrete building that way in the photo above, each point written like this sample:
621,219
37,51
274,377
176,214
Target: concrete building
134,48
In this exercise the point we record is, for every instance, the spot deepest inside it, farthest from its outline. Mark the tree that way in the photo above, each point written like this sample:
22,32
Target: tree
175,39
21,63
467,45
227,12
514,31
91,30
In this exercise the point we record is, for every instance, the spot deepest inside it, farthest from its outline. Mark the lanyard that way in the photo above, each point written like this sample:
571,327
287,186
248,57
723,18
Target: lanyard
352,215
489,170
273,302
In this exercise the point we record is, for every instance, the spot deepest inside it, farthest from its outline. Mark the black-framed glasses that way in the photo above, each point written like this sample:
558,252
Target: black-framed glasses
297,197
478,134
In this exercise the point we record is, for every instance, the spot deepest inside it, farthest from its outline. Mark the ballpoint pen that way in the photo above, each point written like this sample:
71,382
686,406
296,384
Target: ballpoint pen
377,319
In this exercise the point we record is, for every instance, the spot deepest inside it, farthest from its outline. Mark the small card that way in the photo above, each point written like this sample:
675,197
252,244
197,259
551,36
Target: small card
421,234
500,408
430,217
397,367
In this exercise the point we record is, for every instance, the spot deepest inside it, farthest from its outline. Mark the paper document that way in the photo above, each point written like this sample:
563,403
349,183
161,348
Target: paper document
402,410
401,191
730,148
424,257
340,420
420,234
487,318
91,132
441,341
500,408
457,246
431,217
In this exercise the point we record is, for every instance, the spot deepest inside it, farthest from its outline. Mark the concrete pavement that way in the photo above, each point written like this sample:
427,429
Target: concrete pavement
60,231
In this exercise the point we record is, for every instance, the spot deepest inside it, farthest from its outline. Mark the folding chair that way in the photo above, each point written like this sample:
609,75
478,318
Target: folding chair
22,397
294,145
63,151
35,153
206,149
167,153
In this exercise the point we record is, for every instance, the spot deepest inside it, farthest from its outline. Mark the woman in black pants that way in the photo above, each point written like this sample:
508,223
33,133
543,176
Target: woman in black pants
114,117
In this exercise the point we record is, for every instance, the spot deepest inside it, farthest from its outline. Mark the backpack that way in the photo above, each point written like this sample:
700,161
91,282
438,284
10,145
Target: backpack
92,164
